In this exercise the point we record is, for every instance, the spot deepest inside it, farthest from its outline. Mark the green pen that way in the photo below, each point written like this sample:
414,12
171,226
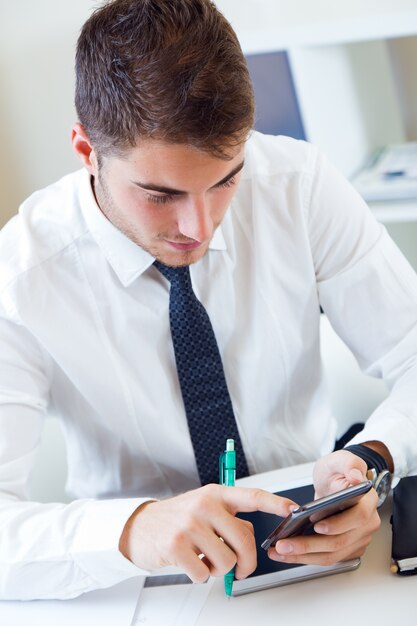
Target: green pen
227,475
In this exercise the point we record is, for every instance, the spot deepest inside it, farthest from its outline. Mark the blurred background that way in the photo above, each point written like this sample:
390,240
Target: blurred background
339,74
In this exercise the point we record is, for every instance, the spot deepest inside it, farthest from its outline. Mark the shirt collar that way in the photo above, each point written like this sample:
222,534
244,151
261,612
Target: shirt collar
127,259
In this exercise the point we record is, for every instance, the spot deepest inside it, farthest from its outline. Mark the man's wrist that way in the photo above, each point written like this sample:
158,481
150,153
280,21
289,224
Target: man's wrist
380,466
382,449
374,453
125,542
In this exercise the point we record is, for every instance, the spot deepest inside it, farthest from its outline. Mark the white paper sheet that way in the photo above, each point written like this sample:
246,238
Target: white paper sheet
171,605
106,607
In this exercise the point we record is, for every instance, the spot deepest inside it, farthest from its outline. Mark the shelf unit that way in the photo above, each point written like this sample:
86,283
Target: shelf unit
394,212
342,57
267,25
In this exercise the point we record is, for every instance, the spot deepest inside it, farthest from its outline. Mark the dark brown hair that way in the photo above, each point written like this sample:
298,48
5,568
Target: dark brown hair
166,69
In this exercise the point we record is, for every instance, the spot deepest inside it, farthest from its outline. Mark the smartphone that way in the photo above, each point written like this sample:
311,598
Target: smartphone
302,519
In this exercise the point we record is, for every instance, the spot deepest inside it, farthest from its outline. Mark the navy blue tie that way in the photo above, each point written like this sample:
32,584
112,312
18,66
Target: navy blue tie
200,371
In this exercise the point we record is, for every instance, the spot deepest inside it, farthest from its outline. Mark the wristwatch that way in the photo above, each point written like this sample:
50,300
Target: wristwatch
382,483
378,471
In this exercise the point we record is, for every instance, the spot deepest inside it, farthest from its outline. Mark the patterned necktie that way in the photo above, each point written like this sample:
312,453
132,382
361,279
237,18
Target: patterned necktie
200,371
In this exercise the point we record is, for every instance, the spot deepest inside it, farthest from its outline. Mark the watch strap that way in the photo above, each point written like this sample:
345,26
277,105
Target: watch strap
373,459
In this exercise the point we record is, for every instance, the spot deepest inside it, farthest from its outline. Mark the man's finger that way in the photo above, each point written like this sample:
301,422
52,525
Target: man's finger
327,557
246,499
193,566
357,516
239,536
218,555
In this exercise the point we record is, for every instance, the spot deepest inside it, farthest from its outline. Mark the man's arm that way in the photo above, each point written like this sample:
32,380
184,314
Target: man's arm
368,292
46,550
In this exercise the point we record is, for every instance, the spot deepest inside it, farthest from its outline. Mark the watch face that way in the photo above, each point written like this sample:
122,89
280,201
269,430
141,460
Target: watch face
383,485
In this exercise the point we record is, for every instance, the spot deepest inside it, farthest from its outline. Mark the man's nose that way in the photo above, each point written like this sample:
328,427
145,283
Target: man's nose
194,220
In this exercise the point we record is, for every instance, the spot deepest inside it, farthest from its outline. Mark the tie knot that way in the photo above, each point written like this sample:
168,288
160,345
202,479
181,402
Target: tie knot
175,275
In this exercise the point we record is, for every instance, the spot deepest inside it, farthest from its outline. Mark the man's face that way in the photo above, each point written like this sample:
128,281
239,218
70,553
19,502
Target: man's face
167,198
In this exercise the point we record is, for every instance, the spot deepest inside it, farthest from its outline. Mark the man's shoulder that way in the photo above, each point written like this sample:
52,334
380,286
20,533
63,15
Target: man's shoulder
278,154
46,223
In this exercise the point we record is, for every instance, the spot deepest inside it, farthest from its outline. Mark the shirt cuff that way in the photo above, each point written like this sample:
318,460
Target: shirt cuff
398,433
95,548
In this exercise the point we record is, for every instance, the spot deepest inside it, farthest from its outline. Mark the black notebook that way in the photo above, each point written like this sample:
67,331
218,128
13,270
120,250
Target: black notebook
270,573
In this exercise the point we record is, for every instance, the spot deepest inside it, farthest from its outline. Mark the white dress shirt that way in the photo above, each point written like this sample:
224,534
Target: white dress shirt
85,335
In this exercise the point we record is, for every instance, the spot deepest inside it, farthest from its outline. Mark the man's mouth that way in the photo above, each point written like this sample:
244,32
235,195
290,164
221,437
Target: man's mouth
189,245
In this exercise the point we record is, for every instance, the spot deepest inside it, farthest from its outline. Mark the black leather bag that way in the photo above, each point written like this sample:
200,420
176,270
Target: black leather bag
404,527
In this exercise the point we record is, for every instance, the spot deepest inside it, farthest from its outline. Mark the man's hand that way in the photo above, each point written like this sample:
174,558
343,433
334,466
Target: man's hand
179,530
340,537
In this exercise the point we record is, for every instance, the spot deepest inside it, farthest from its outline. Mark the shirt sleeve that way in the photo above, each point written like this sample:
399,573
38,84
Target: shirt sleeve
46,550
368,291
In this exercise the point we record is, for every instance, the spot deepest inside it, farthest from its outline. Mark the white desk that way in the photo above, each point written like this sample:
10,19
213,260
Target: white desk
371,594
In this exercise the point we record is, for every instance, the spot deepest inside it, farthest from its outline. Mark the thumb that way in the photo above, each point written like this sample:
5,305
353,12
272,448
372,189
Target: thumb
338,470
355,476
355,468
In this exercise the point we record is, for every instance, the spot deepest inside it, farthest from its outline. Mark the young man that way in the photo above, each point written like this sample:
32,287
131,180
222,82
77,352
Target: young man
92,320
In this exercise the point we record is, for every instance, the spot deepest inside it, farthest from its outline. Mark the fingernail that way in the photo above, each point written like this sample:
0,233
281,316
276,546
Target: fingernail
284,547
321,528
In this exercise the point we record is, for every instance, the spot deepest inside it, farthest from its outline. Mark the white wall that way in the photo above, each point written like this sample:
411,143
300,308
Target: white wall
37,43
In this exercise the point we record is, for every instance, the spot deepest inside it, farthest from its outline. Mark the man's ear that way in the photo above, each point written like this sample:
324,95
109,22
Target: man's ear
83,148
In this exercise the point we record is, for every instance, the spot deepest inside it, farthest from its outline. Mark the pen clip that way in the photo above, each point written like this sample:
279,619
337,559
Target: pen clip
221,467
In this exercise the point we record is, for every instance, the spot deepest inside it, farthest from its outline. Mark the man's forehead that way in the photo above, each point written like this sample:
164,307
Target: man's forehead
154,163
150,145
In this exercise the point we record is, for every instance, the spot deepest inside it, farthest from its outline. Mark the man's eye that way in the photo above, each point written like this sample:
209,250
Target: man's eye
159,199
229,183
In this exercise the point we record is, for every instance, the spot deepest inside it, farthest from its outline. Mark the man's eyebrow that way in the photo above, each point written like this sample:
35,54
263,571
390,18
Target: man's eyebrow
177,192
230,175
